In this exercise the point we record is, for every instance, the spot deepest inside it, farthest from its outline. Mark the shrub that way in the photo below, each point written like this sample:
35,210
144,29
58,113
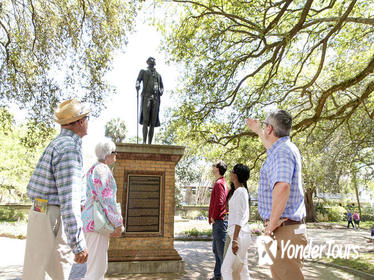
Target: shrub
320,208
367,213
322,217
11,215
195,232
336,213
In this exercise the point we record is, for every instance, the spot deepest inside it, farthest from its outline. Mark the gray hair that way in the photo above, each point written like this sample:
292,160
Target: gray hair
281,122
104,148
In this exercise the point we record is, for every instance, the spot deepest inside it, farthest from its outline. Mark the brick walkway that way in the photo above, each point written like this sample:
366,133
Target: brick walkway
199,260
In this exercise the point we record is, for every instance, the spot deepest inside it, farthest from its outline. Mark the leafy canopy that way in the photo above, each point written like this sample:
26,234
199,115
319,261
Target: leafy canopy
58,49
312,58
17,157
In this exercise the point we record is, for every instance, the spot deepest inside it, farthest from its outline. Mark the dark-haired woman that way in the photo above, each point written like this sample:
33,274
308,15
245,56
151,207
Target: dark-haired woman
238,227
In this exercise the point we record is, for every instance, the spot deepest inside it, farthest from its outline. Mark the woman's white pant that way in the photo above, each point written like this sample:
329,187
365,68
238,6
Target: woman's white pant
226,269
97,263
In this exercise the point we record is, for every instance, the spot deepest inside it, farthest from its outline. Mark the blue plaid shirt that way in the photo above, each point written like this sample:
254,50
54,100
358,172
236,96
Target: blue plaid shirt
283,164
58,177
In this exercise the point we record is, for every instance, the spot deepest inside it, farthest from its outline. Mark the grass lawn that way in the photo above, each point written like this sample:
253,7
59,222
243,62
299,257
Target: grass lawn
367,225
365,262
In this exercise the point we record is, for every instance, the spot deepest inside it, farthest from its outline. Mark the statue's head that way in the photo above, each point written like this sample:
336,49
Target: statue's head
151,61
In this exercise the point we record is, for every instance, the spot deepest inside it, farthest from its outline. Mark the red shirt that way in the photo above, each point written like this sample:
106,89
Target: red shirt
217,207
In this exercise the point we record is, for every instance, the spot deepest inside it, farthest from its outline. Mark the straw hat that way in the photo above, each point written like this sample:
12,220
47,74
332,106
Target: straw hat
70,111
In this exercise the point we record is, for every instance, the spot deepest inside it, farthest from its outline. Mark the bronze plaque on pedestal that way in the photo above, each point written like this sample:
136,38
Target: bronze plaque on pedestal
143,203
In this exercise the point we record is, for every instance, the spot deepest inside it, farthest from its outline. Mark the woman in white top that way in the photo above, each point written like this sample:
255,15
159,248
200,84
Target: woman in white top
238,226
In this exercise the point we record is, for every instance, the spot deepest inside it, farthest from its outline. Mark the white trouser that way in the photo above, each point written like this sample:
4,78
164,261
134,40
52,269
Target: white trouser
97,263
228,262
47,252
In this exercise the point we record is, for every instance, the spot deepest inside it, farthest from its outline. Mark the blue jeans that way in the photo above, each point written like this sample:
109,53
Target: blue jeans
350,223
219,238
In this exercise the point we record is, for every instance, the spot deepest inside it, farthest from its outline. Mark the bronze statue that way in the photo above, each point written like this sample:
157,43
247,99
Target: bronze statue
150,103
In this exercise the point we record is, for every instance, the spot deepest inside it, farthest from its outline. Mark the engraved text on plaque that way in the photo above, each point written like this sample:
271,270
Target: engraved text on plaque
143,203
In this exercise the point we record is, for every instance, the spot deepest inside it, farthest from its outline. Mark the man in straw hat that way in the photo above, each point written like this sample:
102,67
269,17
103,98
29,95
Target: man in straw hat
54,232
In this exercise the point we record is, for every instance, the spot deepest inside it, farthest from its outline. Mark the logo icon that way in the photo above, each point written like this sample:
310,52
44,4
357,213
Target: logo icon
267,250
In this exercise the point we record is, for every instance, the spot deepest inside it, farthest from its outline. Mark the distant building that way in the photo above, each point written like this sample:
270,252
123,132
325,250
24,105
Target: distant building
200,195
365,196
196,195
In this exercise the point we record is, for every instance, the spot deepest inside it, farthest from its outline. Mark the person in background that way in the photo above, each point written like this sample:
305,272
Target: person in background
356,219
238,227
349,219
102,187
54,232
280,193
217,215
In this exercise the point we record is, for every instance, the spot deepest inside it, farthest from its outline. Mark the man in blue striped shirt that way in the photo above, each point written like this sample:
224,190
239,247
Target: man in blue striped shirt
55,237
280,193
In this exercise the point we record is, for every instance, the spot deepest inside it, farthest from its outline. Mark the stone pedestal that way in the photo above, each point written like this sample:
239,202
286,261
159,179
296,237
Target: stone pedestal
145,177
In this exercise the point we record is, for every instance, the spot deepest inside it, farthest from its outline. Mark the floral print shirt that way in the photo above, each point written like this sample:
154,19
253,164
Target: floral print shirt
101,185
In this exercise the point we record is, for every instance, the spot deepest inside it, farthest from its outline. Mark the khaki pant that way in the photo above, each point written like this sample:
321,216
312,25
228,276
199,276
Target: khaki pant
47,252
288,268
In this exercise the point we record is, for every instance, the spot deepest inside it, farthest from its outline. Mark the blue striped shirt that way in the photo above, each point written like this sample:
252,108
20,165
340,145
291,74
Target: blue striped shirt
283,164
58,177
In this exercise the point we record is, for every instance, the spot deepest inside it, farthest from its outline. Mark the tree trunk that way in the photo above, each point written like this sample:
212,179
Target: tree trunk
310,210
355,185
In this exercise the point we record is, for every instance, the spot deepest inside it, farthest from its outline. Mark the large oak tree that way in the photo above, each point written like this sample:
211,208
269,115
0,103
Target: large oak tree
58,49
312,58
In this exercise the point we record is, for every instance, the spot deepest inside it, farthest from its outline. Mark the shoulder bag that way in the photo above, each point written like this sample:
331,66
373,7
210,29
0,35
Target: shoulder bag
101,222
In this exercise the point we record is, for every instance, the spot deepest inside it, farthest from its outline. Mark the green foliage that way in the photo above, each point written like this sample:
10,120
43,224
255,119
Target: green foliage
116,130
367,224
37,134
321,217
54,50
240,60
367,213
327,212
11,215
194,232
21,147
6,121
336,213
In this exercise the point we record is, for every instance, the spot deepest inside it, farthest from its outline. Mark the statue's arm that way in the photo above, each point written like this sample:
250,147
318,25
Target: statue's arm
139,80
161,86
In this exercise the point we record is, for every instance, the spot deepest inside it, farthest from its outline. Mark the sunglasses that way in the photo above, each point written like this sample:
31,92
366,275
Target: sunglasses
114,152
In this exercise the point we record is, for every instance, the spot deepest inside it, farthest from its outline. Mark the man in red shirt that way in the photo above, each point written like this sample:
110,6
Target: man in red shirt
217,214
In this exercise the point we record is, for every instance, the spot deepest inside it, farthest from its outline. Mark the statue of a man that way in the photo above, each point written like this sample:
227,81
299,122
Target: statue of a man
150,102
